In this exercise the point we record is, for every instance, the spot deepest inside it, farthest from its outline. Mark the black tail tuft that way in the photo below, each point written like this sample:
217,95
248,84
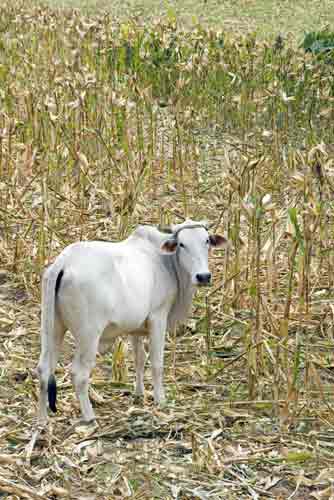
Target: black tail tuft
52,393
58,281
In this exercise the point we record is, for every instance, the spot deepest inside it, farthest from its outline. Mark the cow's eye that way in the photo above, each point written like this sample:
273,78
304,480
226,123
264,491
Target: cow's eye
208,241
181,245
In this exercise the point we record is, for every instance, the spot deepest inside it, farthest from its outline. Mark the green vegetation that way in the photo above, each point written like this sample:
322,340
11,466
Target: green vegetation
108,123
321,42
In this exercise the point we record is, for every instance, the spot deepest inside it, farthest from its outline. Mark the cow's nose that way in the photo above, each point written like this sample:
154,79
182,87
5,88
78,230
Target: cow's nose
203,278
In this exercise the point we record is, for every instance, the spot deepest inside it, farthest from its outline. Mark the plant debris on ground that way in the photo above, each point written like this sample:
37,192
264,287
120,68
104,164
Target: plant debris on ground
105,125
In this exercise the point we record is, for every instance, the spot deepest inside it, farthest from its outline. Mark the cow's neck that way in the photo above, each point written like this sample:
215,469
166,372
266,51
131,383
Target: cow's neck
185,292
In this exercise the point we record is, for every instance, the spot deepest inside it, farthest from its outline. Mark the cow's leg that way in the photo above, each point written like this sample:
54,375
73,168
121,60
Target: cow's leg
157,345
140,358
83,363
47,364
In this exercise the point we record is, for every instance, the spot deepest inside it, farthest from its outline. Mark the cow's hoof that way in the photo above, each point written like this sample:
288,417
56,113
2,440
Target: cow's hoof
85,427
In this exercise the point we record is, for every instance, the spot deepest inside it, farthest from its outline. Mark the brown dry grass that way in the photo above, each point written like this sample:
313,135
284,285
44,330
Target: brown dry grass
266,17
103,126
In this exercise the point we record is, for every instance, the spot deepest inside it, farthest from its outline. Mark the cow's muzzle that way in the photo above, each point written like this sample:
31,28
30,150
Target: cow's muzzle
203,279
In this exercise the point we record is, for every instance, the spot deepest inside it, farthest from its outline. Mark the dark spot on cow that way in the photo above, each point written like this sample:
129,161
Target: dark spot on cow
58,281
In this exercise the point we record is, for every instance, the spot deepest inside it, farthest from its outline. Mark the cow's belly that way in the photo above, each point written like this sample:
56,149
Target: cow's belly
113,331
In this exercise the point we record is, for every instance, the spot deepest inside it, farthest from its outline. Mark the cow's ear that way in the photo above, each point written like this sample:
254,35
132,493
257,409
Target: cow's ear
169,246
217,241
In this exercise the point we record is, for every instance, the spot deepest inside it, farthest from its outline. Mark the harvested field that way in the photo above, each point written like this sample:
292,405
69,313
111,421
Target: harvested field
105,125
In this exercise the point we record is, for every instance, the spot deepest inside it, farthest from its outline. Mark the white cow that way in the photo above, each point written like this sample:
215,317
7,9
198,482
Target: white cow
99,290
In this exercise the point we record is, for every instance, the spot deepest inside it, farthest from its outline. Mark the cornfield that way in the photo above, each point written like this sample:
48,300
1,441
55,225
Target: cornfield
107,124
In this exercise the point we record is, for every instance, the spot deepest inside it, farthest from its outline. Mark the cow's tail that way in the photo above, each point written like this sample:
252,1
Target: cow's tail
50,283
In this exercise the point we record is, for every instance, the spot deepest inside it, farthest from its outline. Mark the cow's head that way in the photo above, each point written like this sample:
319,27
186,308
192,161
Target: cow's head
191,242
